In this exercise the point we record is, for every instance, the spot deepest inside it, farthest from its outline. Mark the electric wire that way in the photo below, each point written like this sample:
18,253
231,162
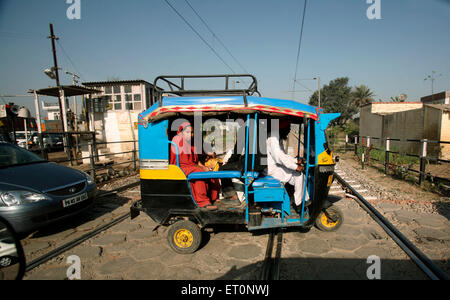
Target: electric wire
299,43
199,35
69,59
216,37
20,35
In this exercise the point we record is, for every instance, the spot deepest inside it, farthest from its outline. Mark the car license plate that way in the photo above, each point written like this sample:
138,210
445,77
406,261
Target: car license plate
74,200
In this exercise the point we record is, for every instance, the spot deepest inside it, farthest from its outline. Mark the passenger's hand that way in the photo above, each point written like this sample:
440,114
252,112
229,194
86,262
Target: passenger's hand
299,169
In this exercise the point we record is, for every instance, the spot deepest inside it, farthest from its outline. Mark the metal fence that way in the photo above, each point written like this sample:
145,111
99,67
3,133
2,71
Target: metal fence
71,144
380,150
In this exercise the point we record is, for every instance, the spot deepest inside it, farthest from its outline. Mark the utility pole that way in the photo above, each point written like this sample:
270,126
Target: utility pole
75,109
318,78
55,62
432,79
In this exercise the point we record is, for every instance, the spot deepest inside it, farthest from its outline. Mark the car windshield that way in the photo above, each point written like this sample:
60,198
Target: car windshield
11,155
56,138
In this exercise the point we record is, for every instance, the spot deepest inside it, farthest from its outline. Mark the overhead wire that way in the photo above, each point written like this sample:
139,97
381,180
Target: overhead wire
69,59
216,37
21,34
299,43
199,35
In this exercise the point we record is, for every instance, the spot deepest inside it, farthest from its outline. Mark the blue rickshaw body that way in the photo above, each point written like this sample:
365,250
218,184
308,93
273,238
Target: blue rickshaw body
165,190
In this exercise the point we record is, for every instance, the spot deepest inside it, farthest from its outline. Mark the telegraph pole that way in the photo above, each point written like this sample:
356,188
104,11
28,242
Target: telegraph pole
55,62
75,111
318,78
432,79
74,82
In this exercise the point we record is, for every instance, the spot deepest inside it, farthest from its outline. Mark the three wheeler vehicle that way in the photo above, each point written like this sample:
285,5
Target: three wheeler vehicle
166,194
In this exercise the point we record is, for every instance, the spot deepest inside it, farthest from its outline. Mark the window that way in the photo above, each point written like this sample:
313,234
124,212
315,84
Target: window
116,89
128,102
117,102
11,155
110,102
108,90
137,103
127,89
147,97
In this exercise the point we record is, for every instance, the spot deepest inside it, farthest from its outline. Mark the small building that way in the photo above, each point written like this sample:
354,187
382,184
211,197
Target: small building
439,98
114,111
52,110
407,120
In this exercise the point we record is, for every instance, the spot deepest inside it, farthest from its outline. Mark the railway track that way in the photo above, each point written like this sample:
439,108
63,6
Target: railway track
271,266
69,245
418,257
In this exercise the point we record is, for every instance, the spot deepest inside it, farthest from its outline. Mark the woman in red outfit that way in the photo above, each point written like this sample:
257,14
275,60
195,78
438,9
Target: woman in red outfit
189,163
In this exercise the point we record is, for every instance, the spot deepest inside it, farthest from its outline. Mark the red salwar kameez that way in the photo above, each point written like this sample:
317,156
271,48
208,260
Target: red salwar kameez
204,191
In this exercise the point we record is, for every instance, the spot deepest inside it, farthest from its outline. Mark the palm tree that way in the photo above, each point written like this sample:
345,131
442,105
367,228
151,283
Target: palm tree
362,95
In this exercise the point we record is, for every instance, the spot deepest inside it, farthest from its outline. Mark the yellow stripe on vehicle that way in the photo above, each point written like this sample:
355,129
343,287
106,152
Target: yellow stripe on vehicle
172,173
325,159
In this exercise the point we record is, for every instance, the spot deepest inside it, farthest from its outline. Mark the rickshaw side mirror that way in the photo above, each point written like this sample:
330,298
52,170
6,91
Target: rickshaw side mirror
336,159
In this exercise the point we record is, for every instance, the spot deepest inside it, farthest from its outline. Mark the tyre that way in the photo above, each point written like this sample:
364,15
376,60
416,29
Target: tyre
184,237
6,261
330,219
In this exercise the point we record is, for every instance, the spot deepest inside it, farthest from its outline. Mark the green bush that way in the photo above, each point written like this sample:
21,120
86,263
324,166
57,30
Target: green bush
351,128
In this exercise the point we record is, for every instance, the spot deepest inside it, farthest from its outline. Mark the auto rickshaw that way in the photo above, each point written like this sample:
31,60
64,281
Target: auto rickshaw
165,190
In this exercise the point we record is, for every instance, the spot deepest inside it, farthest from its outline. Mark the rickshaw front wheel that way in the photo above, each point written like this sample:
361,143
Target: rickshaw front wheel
184,237
330,219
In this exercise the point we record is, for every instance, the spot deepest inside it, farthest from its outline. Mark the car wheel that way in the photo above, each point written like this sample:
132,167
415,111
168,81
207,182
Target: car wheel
5,261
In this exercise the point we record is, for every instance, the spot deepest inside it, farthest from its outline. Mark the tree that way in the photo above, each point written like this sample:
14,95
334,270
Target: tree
336,97
362,95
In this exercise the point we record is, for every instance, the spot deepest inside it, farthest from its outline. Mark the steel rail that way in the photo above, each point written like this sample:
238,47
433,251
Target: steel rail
58,251
419,258
271,265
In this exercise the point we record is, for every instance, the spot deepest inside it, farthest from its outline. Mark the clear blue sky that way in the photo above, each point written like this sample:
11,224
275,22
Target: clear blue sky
141,39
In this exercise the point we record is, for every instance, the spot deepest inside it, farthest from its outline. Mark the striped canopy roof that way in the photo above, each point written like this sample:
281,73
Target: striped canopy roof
186,105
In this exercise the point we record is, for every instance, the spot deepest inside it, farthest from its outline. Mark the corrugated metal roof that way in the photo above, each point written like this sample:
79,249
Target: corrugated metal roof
69,91
443,107
114,82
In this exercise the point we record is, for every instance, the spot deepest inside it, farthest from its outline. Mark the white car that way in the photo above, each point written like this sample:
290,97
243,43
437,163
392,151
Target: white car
8,252
20,138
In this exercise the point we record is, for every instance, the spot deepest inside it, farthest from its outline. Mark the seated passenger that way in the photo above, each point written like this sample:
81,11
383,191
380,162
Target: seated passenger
204,191
284,167
232,161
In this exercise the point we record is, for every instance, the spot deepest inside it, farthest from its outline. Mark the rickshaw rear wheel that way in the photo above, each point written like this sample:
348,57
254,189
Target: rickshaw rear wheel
330,219
184,237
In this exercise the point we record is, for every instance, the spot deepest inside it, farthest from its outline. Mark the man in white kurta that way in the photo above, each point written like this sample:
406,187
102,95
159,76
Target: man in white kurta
284,167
